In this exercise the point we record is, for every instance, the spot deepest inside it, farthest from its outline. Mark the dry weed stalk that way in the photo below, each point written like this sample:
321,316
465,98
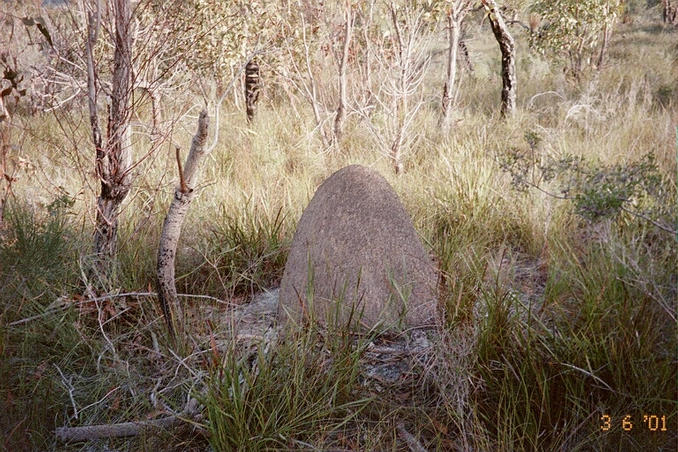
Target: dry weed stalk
305,79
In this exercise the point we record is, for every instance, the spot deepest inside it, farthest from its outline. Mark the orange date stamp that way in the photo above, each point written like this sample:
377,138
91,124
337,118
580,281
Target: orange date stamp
651,422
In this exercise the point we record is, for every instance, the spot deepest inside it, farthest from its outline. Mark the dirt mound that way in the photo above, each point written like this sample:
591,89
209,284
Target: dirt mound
358,246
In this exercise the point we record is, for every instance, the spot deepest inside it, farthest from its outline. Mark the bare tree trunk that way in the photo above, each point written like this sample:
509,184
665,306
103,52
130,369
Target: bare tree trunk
171,229
455,17
453,30
5,177
339,118
113,158
603,47
396,151
252,88
92,36
508,57
156,116
4,114
402,58
408,67
577,57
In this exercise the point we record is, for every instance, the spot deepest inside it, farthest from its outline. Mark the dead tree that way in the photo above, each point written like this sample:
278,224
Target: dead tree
14,87
309,83
171,228
113,155
343,62
508,57
127,429
252,88
409,66
455,17
367,20
401,61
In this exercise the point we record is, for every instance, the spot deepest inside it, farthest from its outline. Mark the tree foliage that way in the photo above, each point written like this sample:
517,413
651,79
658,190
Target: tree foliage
218,35
573,28
597,191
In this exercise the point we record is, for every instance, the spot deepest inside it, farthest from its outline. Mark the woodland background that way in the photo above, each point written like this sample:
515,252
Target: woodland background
547,195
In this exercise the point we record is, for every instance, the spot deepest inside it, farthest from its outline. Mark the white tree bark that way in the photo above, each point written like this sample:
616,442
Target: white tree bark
171,229
367,21
311,88
404,73
449,88
125,429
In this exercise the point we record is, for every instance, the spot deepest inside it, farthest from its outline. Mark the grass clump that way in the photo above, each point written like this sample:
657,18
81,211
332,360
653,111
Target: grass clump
249,253
36,268
600,346
304,390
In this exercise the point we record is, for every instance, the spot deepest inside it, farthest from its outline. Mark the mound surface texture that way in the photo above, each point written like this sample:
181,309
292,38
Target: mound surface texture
360,249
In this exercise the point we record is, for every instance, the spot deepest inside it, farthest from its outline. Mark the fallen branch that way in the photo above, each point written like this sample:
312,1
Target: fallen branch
94,432
110,297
